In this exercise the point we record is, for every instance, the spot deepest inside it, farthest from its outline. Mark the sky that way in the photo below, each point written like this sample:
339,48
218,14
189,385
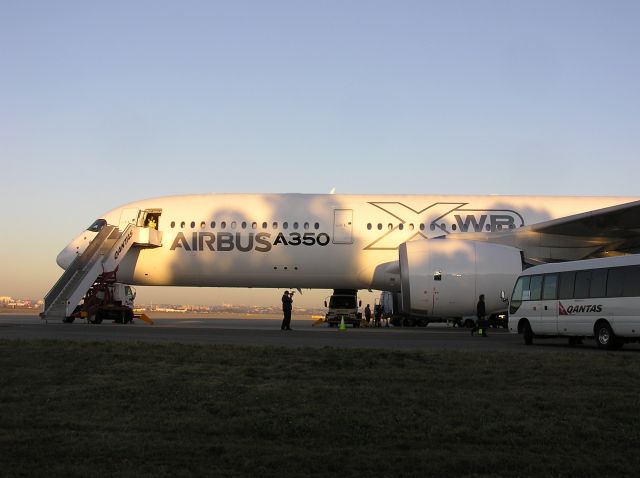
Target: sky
106,102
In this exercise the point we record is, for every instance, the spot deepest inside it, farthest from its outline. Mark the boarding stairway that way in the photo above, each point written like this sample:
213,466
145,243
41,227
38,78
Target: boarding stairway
103,254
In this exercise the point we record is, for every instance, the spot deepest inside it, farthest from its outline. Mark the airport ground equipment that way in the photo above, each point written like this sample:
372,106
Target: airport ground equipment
93,270
106,299
343,305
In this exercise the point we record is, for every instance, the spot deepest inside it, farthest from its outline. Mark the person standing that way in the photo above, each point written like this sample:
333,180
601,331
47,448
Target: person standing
367,314
377,315
287,305
481,312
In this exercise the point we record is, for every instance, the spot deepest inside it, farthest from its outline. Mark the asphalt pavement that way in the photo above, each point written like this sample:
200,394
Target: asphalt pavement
266,332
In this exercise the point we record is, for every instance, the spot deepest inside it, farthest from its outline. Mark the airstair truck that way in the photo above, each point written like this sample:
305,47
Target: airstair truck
106,299
343,305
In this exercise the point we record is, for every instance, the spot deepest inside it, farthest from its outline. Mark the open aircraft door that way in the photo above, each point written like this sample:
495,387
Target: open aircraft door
343,226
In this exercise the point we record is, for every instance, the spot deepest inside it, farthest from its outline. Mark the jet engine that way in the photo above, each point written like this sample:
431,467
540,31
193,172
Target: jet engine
444,278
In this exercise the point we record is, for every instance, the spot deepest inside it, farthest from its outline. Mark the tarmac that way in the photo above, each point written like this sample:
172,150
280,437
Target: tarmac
266,332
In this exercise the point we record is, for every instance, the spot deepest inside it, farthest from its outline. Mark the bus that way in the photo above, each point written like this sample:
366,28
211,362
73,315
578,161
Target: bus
597,298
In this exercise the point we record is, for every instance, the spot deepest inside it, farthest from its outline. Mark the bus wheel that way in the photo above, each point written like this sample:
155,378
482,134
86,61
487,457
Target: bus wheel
527,333
604,336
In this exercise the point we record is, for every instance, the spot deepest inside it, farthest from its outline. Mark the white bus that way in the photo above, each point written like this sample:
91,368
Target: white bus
590,298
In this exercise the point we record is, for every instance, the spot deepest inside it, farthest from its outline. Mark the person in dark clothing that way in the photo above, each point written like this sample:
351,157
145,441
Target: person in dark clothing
287,301
377,315
481,312
367,314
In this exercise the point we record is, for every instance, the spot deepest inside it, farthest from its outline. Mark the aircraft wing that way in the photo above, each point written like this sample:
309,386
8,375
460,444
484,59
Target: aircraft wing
619,222
596,233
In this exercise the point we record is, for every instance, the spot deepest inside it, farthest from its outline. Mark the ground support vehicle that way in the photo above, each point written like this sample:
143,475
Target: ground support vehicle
597,298
107,299
343,305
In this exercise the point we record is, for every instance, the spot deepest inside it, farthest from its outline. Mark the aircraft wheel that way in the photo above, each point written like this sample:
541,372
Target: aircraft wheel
95,319
408,322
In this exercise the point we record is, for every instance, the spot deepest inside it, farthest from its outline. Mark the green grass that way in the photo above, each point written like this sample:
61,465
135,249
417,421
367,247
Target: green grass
104,409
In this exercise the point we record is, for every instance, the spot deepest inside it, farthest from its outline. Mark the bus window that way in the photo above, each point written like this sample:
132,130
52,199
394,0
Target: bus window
567,280
583,280
523,283
615,282
550,287
536,287
631,282
598,283
516,298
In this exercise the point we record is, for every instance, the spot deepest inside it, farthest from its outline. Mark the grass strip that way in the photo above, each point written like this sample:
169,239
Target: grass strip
112,409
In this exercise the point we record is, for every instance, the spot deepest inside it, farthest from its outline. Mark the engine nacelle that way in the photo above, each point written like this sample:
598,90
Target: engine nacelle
444,278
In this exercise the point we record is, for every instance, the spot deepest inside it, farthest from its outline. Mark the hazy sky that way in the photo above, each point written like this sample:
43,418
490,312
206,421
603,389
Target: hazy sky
102,103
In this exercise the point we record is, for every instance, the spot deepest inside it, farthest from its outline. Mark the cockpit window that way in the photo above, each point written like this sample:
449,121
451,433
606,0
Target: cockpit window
97,225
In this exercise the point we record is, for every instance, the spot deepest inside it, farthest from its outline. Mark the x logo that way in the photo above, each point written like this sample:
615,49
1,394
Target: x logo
406,216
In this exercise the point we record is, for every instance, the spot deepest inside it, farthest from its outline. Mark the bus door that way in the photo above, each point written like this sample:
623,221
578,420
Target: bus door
549,305
532,304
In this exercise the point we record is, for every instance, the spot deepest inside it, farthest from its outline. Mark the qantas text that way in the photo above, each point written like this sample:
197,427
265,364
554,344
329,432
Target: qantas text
260,242
578,309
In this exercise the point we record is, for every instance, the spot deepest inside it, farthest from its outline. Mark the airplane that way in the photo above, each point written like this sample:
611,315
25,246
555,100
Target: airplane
437,253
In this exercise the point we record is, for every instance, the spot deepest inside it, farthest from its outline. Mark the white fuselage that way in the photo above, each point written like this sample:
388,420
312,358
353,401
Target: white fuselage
313,241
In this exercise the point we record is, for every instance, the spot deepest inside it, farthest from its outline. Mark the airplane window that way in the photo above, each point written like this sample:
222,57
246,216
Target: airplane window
316,226
202,225
97,225
254,225
193,224
295,225
223,225
285,225
401,226
453,227
213,224
379,227
244,225
264,225
411,227
422,227
233,225
390,226
173,224
275,225
432,226
488,227
369,226
443,226
306,225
